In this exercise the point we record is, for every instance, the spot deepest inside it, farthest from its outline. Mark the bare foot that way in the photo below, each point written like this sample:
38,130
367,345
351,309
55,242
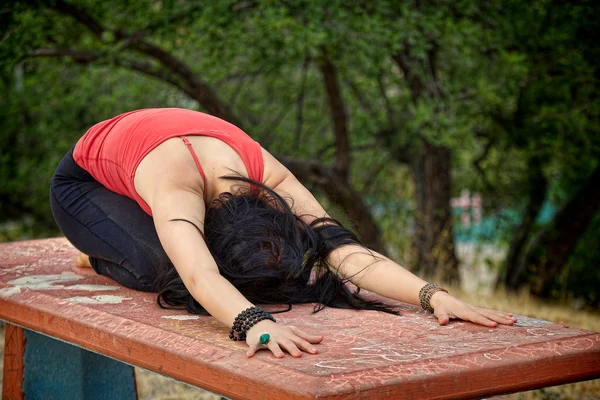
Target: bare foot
83,261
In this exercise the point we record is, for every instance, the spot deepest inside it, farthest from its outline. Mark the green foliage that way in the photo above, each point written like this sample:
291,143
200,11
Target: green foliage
580,280
500,83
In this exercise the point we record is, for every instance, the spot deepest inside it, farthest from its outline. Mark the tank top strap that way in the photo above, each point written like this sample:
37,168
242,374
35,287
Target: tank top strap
188,144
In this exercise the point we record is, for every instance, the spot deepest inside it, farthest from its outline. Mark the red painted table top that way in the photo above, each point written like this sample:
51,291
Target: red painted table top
365,354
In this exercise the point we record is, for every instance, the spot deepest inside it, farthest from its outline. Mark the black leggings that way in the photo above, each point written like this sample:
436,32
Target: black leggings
112,229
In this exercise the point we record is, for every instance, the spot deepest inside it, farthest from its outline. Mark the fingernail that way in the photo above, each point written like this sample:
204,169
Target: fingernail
314,350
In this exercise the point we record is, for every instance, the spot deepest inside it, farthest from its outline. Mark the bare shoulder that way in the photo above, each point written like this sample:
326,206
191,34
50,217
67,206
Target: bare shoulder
275,171
283,182
166,170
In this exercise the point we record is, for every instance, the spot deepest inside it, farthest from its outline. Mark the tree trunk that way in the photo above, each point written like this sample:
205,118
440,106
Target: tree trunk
433,248
551,248
537,183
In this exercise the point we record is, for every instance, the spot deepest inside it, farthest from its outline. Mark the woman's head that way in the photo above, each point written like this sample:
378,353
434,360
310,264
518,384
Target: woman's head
259,246
269,254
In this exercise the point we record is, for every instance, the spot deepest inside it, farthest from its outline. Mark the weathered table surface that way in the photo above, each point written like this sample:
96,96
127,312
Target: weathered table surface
365,354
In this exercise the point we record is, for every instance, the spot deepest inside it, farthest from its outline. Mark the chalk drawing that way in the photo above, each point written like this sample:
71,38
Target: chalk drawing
18,269
102,299
540,332
492,357
181,317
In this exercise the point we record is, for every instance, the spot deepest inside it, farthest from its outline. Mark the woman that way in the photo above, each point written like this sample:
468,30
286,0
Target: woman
188,205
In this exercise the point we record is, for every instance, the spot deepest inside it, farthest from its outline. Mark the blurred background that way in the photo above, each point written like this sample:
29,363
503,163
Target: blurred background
460,137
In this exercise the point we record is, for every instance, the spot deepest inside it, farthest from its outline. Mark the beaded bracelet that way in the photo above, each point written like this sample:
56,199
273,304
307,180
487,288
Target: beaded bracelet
426,293
246,320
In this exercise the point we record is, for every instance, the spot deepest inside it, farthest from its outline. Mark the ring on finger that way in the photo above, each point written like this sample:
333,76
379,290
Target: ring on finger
264,338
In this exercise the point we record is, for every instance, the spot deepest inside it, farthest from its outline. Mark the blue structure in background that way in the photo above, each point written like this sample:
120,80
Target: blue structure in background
491,228
494,227
56,370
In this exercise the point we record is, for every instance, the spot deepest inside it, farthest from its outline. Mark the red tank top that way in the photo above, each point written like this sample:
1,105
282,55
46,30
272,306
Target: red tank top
112,150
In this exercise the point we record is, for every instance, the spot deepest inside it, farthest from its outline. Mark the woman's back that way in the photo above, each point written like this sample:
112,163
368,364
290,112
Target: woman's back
146,145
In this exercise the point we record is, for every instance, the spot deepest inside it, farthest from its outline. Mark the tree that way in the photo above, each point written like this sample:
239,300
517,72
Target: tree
349,96
297,38
555,123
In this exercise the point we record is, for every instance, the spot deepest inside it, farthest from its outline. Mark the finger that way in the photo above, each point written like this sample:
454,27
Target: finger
275,349
290,347
499,317
304,345
442,317
481,320
251,351
495,313
500,314
306,336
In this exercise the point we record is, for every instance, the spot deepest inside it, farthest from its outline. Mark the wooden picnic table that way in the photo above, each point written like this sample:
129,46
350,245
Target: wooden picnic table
365,354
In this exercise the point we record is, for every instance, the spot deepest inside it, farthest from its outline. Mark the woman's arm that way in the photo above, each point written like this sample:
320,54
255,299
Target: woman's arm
178,217
374,272
189,254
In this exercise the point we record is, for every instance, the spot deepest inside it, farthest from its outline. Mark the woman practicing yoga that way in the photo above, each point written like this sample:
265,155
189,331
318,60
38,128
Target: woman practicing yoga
187,205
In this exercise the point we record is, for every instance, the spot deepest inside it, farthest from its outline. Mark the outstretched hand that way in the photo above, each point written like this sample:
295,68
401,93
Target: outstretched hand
288,338
447,307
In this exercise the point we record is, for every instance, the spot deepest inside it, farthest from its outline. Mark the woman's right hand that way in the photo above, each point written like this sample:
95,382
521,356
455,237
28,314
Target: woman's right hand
288,338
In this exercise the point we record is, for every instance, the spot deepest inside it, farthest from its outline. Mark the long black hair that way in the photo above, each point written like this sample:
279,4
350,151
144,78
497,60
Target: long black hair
269,254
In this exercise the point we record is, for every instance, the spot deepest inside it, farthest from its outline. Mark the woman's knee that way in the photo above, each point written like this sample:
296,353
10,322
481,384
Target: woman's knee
125,274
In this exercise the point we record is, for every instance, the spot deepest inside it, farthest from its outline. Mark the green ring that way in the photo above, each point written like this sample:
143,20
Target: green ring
264,338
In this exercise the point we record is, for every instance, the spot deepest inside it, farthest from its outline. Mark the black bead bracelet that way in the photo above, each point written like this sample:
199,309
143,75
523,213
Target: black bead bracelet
246,320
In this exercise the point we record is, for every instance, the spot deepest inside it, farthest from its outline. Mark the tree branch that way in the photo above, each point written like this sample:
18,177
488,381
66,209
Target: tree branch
79,56
415,85
87,57
400,154
194,86
386,101
360,98
338,116
274,123
477,163
80,15
435,88
300,104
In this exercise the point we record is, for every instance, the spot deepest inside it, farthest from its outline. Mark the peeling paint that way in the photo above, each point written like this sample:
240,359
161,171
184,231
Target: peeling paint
9,291
102,299
91,288
51,282
180,317
44,282
527,321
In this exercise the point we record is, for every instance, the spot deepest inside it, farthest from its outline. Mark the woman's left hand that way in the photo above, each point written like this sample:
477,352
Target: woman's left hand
447,307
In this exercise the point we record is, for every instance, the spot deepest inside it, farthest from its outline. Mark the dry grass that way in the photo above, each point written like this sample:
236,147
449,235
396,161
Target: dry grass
152,386
526,305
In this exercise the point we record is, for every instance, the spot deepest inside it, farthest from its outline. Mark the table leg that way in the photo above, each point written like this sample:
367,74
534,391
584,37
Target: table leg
39,367
14,346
